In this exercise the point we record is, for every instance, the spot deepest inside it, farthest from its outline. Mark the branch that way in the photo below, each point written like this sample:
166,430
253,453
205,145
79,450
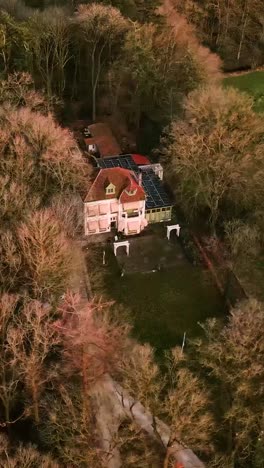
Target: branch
114,405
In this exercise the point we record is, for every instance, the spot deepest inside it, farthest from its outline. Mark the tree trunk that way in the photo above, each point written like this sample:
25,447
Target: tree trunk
93,86
219,24
244,22
35,404
77,61
96,76
94,103
227,18
7,412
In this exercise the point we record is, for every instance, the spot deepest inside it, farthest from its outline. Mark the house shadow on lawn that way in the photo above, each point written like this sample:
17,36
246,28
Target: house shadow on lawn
150,253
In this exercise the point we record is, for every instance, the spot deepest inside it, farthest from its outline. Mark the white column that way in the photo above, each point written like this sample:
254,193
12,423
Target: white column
176,227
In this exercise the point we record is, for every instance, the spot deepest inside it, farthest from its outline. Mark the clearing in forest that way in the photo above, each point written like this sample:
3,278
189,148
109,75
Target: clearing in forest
161,305
251,83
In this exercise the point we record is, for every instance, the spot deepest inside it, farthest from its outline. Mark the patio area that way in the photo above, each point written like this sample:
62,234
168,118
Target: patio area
150,253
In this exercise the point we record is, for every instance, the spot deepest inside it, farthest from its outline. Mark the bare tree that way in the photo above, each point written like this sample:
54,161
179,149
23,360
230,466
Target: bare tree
141,377
158,67
49,43
16,8
68,210
67,426
233,28
46,254
39,153
97,339
11,262
18,89
12,37
101,27
178,395
24,456
213,155
10,338
27,339
16,201
189,405
243,240
185,35
233,355
113,404
40,339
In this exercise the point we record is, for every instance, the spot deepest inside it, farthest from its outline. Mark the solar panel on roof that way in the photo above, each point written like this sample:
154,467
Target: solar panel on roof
156,196
124,161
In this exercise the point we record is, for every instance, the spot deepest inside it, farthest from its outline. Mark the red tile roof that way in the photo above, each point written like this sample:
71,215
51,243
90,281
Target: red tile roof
104,139
90,141
126,185
140,160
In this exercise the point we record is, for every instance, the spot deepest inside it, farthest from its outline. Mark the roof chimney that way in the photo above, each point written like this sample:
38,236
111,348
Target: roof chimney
140,179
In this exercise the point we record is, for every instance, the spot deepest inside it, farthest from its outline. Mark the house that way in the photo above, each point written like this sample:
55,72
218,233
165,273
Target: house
126,194
116,199
100,141
158,201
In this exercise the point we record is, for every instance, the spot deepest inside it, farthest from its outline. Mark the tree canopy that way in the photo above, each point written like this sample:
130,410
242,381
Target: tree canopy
234,356
214,154
233,28
73,377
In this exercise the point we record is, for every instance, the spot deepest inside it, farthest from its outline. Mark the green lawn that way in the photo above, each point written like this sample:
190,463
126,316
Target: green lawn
164,305
252,83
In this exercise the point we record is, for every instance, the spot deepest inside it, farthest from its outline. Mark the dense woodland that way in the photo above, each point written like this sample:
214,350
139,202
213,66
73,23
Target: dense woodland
64,360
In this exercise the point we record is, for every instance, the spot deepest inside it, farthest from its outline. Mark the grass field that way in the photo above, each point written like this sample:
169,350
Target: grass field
252,83
165,304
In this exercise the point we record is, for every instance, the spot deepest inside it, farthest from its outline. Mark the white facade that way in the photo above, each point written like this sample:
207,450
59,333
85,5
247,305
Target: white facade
92,148
104,215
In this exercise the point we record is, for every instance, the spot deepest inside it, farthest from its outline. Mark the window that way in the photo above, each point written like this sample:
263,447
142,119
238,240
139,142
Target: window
166,213
92,210
131,192
114,207
103,225
110,189
103,209
132,213
92,226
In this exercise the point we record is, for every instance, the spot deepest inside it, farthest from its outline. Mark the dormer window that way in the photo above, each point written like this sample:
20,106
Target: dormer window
110,189
131,192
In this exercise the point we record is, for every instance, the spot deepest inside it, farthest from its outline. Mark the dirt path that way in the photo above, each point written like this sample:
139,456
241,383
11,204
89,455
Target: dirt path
80,281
